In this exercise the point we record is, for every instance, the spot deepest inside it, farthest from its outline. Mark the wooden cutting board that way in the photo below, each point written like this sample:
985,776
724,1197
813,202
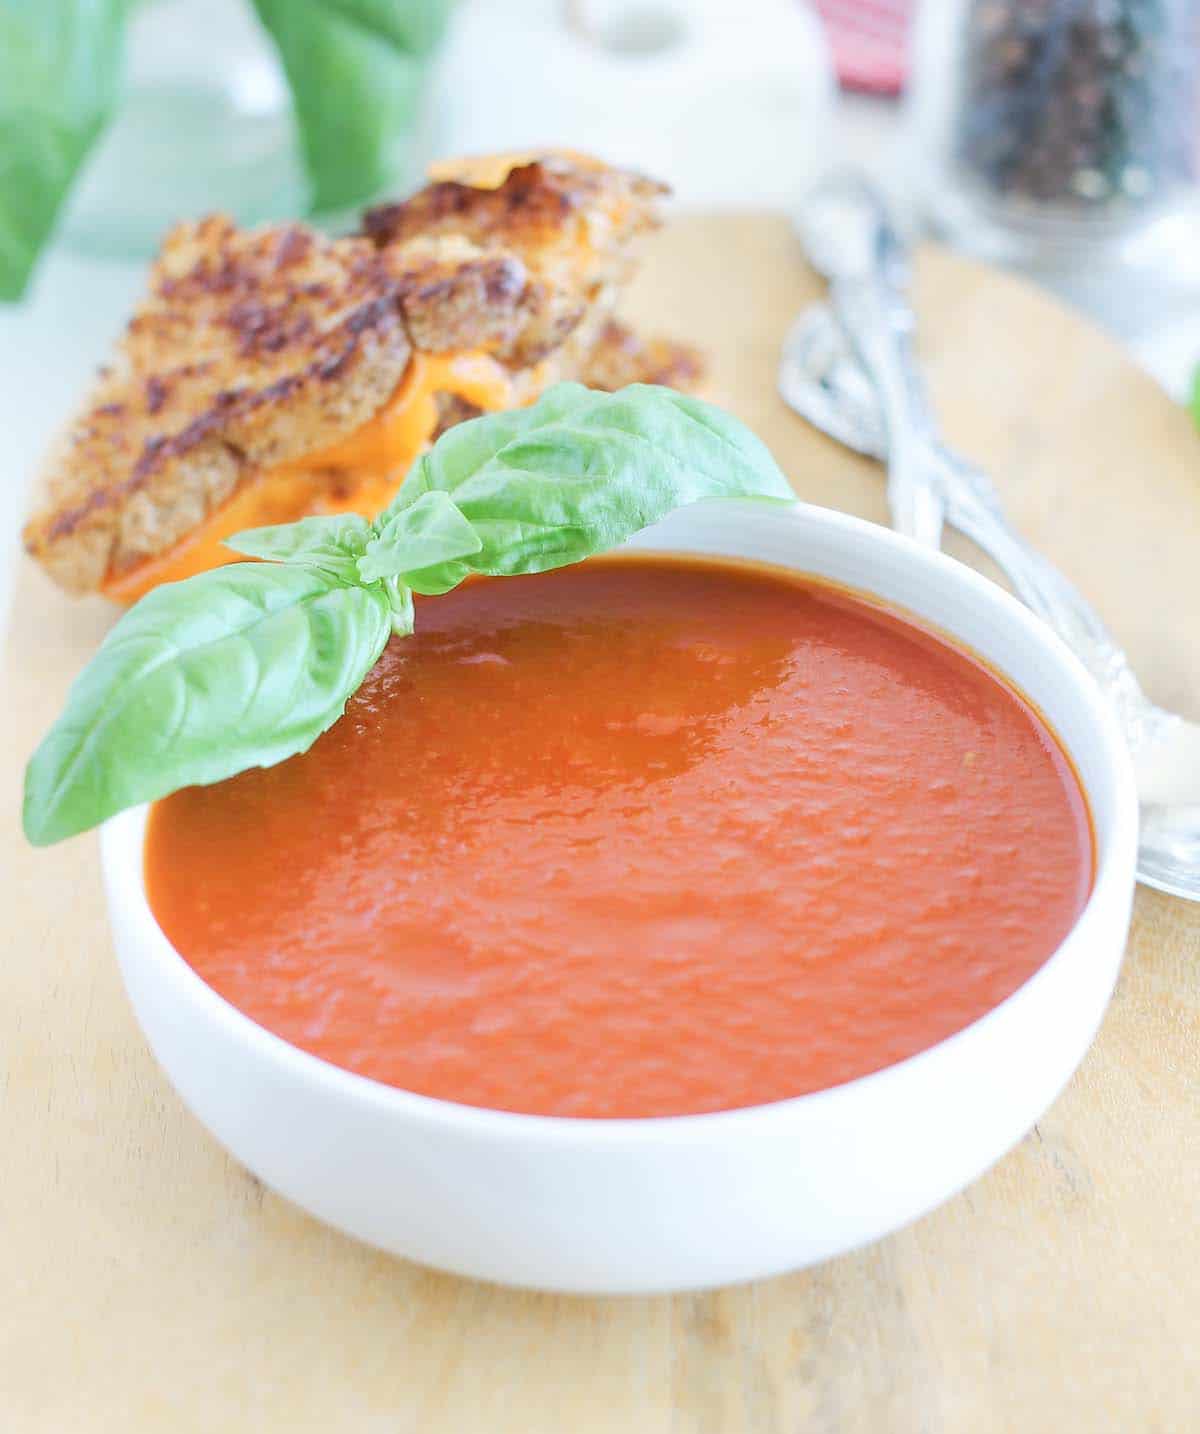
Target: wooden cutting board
151,1284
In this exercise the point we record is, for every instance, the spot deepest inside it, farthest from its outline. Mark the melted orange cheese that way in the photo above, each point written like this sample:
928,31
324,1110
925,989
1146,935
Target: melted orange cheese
358,474
489,171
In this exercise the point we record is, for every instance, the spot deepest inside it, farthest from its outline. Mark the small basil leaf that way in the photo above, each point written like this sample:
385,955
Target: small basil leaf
238,667
419,542
332,544
581,471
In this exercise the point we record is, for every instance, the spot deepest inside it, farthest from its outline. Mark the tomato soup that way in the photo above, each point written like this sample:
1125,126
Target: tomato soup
641,837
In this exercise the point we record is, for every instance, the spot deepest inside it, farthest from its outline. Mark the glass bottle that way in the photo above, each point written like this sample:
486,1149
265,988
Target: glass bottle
1052,129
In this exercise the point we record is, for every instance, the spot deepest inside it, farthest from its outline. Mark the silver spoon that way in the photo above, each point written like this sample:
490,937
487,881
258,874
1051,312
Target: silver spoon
822,379
851,238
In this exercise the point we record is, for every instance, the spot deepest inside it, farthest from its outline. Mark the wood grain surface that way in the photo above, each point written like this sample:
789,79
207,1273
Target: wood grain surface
150,1284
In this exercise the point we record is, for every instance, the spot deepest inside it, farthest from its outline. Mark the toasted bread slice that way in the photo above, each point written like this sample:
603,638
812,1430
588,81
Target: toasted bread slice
249,349
570,220
555,235
619,357
275,372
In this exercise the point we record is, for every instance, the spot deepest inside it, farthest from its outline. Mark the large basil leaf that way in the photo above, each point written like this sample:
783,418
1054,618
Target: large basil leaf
60,63
356,69
580,471
239,667
333,544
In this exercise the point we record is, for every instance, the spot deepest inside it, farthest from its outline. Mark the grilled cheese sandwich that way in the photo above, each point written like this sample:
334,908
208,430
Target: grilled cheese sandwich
275,373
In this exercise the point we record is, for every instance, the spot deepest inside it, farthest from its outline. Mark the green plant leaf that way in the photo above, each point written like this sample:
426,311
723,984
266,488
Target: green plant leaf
60,64
580,471
246,665
356,69
419,543
331,544
239,667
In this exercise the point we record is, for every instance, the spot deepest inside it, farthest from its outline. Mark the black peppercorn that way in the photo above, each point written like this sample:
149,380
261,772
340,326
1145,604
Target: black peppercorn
1086,108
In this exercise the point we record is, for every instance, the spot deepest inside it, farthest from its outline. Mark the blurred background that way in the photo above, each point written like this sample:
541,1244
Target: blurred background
1057,137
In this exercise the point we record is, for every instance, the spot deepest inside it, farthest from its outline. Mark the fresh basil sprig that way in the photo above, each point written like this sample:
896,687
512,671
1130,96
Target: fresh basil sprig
331,545
248,664
579,472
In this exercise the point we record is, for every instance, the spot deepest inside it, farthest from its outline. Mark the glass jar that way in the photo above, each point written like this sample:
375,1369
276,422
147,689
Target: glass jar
1052,128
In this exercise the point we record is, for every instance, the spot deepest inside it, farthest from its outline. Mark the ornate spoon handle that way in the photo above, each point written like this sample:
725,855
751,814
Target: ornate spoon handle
878,325
973,508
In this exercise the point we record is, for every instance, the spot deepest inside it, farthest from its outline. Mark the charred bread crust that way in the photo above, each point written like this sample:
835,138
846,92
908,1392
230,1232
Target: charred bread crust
550,207
621,356
565,230
251,348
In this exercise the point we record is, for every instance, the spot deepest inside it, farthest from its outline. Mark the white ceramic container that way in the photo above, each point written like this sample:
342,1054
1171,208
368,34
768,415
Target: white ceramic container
693,1201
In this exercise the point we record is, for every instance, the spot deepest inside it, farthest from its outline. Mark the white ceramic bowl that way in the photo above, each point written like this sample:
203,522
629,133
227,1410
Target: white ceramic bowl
691,1201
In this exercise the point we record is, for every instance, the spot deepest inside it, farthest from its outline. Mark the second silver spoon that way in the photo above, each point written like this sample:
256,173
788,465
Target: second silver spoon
822,379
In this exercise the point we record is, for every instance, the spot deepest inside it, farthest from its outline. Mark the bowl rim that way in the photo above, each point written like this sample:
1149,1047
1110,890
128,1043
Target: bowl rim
122,840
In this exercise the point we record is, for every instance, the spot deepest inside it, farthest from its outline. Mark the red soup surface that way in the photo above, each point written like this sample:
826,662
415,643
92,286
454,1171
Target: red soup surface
641,837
